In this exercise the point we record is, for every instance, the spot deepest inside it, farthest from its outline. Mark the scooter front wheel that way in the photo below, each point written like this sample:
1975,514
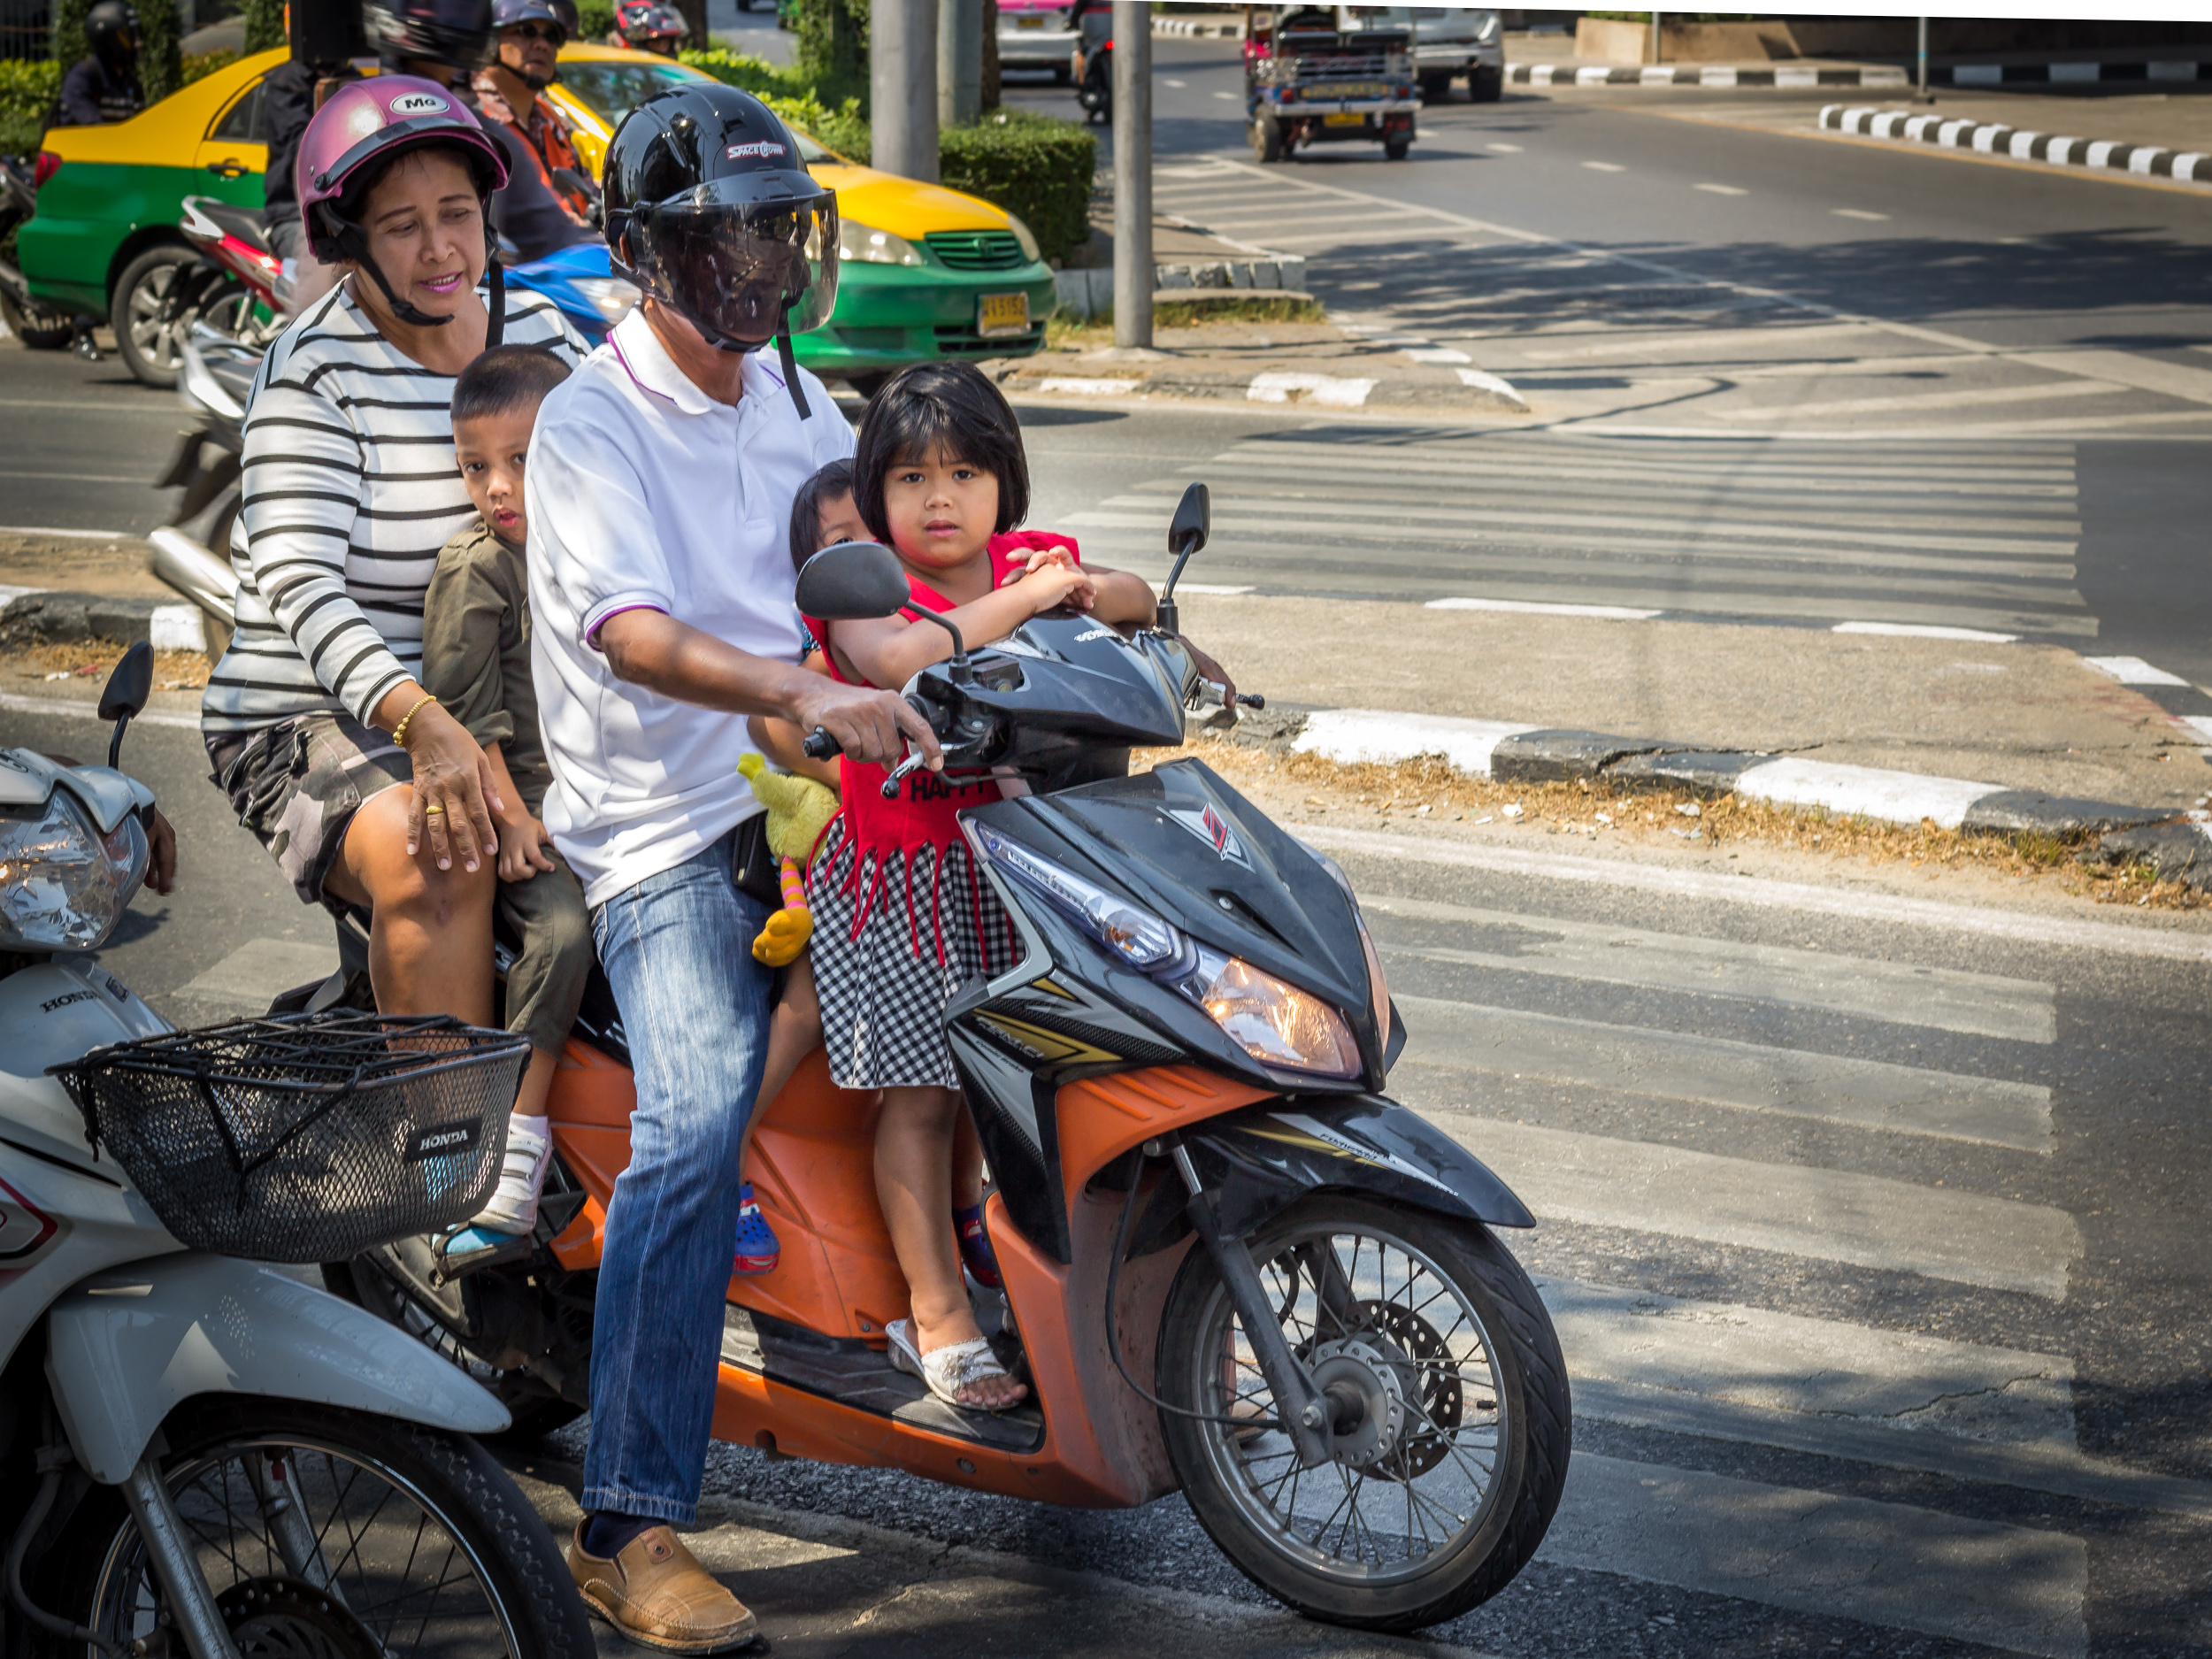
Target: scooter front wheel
333,1532
1451,1428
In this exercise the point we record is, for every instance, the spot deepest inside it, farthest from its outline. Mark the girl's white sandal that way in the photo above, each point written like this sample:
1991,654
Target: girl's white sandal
946,1369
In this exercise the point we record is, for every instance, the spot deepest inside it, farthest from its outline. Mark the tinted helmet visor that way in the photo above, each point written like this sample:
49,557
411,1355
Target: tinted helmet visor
746,269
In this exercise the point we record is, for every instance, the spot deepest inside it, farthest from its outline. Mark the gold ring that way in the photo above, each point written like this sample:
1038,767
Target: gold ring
433,809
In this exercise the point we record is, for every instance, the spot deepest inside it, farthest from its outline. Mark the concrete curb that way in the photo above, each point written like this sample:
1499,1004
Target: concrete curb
1204,28
44,615
1464,391
1529,754
1089,289
1704,75
1990,139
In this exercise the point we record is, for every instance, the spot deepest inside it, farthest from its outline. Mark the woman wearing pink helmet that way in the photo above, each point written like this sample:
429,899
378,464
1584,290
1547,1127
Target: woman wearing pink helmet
364,790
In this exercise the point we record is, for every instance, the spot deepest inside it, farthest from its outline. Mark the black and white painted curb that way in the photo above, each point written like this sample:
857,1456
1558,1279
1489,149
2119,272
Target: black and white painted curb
1469,391
2160,70
1705,75
32,616
1228,28
1534,754
1992,139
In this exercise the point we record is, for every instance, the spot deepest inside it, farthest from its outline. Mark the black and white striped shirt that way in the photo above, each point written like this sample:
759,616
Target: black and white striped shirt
349,490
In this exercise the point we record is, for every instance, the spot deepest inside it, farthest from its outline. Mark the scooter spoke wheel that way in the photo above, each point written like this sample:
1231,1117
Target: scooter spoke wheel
1450,1416
333,1534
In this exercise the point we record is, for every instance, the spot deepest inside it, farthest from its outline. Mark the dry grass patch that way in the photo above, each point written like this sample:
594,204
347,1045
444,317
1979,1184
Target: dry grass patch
1428,791
96,659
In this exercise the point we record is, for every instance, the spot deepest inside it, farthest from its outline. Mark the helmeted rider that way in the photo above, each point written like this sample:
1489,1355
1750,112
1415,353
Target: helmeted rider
104,85
448,40
650,25
662,474
529,33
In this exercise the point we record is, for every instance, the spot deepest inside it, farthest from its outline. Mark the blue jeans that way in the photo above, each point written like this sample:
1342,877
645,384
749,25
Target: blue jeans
678,951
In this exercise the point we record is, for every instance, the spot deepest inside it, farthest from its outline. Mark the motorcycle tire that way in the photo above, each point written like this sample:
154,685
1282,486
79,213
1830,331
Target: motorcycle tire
1415,1411
158,298
514,1595
41,331
1396,148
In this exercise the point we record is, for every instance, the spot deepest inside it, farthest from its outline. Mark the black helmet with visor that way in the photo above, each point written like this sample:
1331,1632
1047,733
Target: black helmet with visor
710,211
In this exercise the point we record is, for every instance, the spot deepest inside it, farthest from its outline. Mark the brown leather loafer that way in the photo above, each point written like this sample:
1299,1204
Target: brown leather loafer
656,1592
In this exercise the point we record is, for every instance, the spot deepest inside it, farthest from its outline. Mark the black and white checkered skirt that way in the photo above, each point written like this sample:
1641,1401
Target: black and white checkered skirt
896,935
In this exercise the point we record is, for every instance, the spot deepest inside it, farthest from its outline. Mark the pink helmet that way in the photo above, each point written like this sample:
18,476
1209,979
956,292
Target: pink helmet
364,125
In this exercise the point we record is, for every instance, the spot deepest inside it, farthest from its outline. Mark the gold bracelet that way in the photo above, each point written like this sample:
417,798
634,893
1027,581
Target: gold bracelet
399,732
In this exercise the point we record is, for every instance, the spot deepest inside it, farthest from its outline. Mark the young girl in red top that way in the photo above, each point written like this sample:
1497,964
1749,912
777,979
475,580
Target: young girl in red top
901,915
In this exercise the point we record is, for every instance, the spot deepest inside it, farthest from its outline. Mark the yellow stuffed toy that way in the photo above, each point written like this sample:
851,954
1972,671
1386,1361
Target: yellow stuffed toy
799,809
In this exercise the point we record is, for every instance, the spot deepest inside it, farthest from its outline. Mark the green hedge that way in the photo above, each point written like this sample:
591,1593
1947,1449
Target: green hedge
265,25
27,91
160,50
1038,168
793,95
595,19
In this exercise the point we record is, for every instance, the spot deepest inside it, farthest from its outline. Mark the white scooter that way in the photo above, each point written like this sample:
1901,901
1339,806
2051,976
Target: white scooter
198,1455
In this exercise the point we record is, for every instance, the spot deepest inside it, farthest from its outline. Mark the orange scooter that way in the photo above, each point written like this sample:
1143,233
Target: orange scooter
1231,1266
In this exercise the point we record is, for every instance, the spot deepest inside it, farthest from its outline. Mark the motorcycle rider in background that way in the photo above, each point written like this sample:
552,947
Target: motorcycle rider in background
530,33
104,85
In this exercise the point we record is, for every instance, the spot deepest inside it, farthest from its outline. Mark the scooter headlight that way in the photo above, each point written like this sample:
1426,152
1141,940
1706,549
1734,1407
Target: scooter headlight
63,885
1281,1026
1134,934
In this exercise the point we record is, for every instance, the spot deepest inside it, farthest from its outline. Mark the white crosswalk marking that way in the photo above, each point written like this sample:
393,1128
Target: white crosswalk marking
1490,1001
1959,536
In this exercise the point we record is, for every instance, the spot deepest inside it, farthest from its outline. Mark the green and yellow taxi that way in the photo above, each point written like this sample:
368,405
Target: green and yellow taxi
926,273
923,272
104,239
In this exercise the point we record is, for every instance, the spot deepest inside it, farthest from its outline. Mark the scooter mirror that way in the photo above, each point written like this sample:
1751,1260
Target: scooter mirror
1193,517
853,582
130,684
127,689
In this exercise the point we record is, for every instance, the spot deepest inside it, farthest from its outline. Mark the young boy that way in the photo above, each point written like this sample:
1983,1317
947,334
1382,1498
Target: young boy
476,658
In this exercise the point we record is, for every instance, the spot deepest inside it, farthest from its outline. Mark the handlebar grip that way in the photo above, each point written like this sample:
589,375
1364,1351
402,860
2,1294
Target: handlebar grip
1251,700
821,745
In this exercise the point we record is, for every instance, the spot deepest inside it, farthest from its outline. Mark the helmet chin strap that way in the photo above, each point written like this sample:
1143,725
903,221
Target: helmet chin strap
790,364
354,245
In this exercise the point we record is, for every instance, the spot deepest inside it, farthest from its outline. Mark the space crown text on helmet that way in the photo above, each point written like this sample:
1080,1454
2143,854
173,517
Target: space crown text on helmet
710,211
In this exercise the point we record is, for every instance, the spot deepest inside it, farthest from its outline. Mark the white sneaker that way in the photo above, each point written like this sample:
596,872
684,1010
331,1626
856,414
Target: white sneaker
513,1205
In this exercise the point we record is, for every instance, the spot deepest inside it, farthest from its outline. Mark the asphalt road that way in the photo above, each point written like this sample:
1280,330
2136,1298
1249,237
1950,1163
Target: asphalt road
1874,1234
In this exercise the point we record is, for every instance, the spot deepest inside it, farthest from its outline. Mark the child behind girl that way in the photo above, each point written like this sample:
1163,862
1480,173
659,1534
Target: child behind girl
901,917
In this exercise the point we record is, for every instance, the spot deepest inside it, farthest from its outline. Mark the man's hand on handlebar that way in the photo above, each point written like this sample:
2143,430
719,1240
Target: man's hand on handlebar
1212,671
872,727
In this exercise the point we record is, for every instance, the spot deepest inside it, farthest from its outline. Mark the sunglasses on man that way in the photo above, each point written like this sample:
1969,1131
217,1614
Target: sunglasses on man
552,32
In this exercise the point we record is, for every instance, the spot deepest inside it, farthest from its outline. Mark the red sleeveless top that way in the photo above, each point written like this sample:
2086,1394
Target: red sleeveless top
924,812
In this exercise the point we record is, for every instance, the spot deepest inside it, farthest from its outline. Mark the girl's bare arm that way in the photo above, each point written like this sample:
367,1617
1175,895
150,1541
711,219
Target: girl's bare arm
783,743
892,651
1122,597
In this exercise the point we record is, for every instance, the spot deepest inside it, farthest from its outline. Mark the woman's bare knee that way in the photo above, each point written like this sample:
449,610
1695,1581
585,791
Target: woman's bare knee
375,857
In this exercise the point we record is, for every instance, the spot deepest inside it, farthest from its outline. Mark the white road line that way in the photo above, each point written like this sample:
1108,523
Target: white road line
2162,940
1227,97
1926,400
251,976
1503,150
1618,613
2132,670
42,529
1858,212
1824,1370
15,703
1892,1565
1922,631
1605,166
2128,368
1794,1210
1714,1072
1900,993
1721,189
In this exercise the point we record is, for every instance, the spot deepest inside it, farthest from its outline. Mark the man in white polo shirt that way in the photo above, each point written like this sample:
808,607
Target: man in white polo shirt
659,485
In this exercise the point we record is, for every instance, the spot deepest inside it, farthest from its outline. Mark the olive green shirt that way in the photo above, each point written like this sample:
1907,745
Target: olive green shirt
476,652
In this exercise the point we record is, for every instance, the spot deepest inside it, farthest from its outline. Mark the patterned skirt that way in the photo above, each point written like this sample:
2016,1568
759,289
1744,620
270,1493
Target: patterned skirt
896,936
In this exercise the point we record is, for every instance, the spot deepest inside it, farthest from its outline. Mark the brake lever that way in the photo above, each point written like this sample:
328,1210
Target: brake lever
892,784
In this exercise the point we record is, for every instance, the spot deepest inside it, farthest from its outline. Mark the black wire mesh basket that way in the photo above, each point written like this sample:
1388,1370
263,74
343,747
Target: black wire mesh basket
308,1137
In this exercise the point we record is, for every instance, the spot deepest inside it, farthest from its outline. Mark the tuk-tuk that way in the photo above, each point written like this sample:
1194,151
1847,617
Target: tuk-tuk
1308,80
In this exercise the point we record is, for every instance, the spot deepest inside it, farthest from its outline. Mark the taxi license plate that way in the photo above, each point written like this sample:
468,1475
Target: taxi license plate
1344,121
1029,23
998,314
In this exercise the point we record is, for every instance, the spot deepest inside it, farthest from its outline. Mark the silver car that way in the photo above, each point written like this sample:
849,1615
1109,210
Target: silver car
1036,34
1447,42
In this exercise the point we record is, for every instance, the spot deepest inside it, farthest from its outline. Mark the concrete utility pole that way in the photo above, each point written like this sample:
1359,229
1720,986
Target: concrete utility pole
902,88
959,62
1133,173
1923,76
1656,55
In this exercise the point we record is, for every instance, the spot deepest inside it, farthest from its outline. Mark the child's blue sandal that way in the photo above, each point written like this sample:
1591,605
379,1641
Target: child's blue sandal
755,1249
